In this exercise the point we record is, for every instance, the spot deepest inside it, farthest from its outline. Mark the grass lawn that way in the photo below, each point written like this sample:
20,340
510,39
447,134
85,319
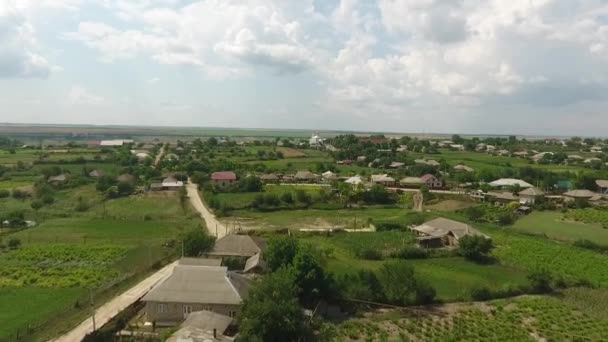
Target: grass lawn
553,226
453,277
27,306
317,218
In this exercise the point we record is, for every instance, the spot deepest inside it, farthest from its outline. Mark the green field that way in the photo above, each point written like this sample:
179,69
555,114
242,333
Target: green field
553,225
91,249
529,318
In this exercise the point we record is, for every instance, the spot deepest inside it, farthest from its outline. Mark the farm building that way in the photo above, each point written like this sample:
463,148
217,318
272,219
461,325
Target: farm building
504,183
235,245
581,194
223,179
431,181
329,176
269,178
411,182
354,180
602,186
442,232
305,176
463,168
171,183
193,288
530,195
383,179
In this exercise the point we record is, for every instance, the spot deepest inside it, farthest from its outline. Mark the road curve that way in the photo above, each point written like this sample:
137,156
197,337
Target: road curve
214,226
106,312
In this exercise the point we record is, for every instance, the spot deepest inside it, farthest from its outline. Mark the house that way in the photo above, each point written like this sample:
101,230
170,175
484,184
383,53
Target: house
156,187
596,149
396,165
59,179
354,180
582,194
115,143
411,182
592,160
255,264
193,288
96,173
530,195
235,245
171,183
575,157
172,156
383,179
329,176
501,198
463,168
478,195
431,181
509,182
602,186
203,326
305,176
521,154
269,178
442,232
223,179
458,147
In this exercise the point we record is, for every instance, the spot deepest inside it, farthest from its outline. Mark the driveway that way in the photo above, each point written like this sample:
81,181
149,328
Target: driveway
112,308
214,226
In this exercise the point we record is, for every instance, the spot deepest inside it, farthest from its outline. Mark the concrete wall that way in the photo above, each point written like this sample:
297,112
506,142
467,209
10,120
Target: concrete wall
175,311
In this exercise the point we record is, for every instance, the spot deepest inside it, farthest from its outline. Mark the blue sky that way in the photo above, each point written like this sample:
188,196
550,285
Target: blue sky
464,66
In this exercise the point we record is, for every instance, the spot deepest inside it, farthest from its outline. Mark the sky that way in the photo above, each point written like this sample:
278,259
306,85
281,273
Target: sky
420,66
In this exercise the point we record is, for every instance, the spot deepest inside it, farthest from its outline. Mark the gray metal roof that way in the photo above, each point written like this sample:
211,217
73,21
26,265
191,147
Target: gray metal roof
200,262
200,284
254,262
442,226
199,325
238,245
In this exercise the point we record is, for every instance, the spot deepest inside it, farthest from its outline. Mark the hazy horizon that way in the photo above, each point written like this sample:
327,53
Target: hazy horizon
535,68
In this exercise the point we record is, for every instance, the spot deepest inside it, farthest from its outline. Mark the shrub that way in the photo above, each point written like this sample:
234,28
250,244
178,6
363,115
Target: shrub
481,293
14,243
369,254
287,197
47,199
475,247
4,193
18,194
540,281
506,219
411,252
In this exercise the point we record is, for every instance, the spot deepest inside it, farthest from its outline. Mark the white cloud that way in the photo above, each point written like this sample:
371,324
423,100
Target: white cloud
80,96
18,55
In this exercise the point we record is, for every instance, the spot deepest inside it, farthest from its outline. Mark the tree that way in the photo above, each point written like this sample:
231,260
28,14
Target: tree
303,197
196,242
124,188
280,252
287,197
36,205
401,286
251,184
309,275
475,247
271,311
474,214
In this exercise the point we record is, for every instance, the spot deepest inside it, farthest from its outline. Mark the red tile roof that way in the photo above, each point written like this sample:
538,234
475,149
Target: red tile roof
223,175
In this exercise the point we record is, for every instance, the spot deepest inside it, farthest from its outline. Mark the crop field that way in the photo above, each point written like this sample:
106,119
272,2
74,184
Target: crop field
529,318
555,227
531,253
589,215
291,153
91,249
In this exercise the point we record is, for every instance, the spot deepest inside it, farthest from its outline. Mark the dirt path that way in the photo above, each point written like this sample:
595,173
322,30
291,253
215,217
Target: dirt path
112,308
214,226
160,155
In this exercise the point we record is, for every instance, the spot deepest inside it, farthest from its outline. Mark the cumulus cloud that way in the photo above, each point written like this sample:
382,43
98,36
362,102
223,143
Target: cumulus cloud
80,96
18,56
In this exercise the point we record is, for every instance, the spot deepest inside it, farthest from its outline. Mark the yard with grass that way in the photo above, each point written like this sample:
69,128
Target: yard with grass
94,249
557,226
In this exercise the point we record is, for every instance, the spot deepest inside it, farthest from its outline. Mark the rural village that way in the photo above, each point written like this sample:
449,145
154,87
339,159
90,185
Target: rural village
294,235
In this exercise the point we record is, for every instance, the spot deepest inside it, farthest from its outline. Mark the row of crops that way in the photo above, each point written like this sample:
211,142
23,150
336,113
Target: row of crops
525,319
589,215
59,266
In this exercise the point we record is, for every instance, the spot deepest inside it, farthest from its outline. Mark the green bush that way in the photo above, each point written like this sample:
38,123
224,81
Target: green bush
369,254
4,193
411,252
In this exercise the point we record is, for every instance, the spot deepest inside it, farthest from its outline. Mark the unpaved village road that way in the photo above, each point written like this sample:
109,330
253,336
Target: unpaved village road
112,308
215,227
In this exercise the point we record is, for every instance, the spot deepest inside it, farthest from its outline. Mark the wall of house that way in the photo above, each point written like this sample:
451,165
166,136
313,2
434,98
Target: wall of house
223,184
175,311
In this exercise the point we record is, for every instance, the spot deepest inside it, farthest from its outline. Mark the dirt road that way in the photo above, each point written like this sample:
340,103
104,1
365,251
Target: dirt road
160,155
214,226
112,308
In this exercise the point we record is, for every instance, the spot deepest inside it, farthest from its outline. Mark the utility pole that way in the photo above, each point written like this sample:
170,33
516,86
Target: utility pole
92,308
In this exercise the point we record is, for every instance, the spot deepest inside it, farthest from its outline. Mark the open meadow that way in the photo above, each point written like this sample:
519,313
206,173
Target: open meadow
559,226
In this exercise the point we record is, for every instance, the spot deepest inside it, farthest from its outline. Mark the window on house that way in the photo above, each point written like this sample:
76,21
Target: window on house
162,308
231,314
207,308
